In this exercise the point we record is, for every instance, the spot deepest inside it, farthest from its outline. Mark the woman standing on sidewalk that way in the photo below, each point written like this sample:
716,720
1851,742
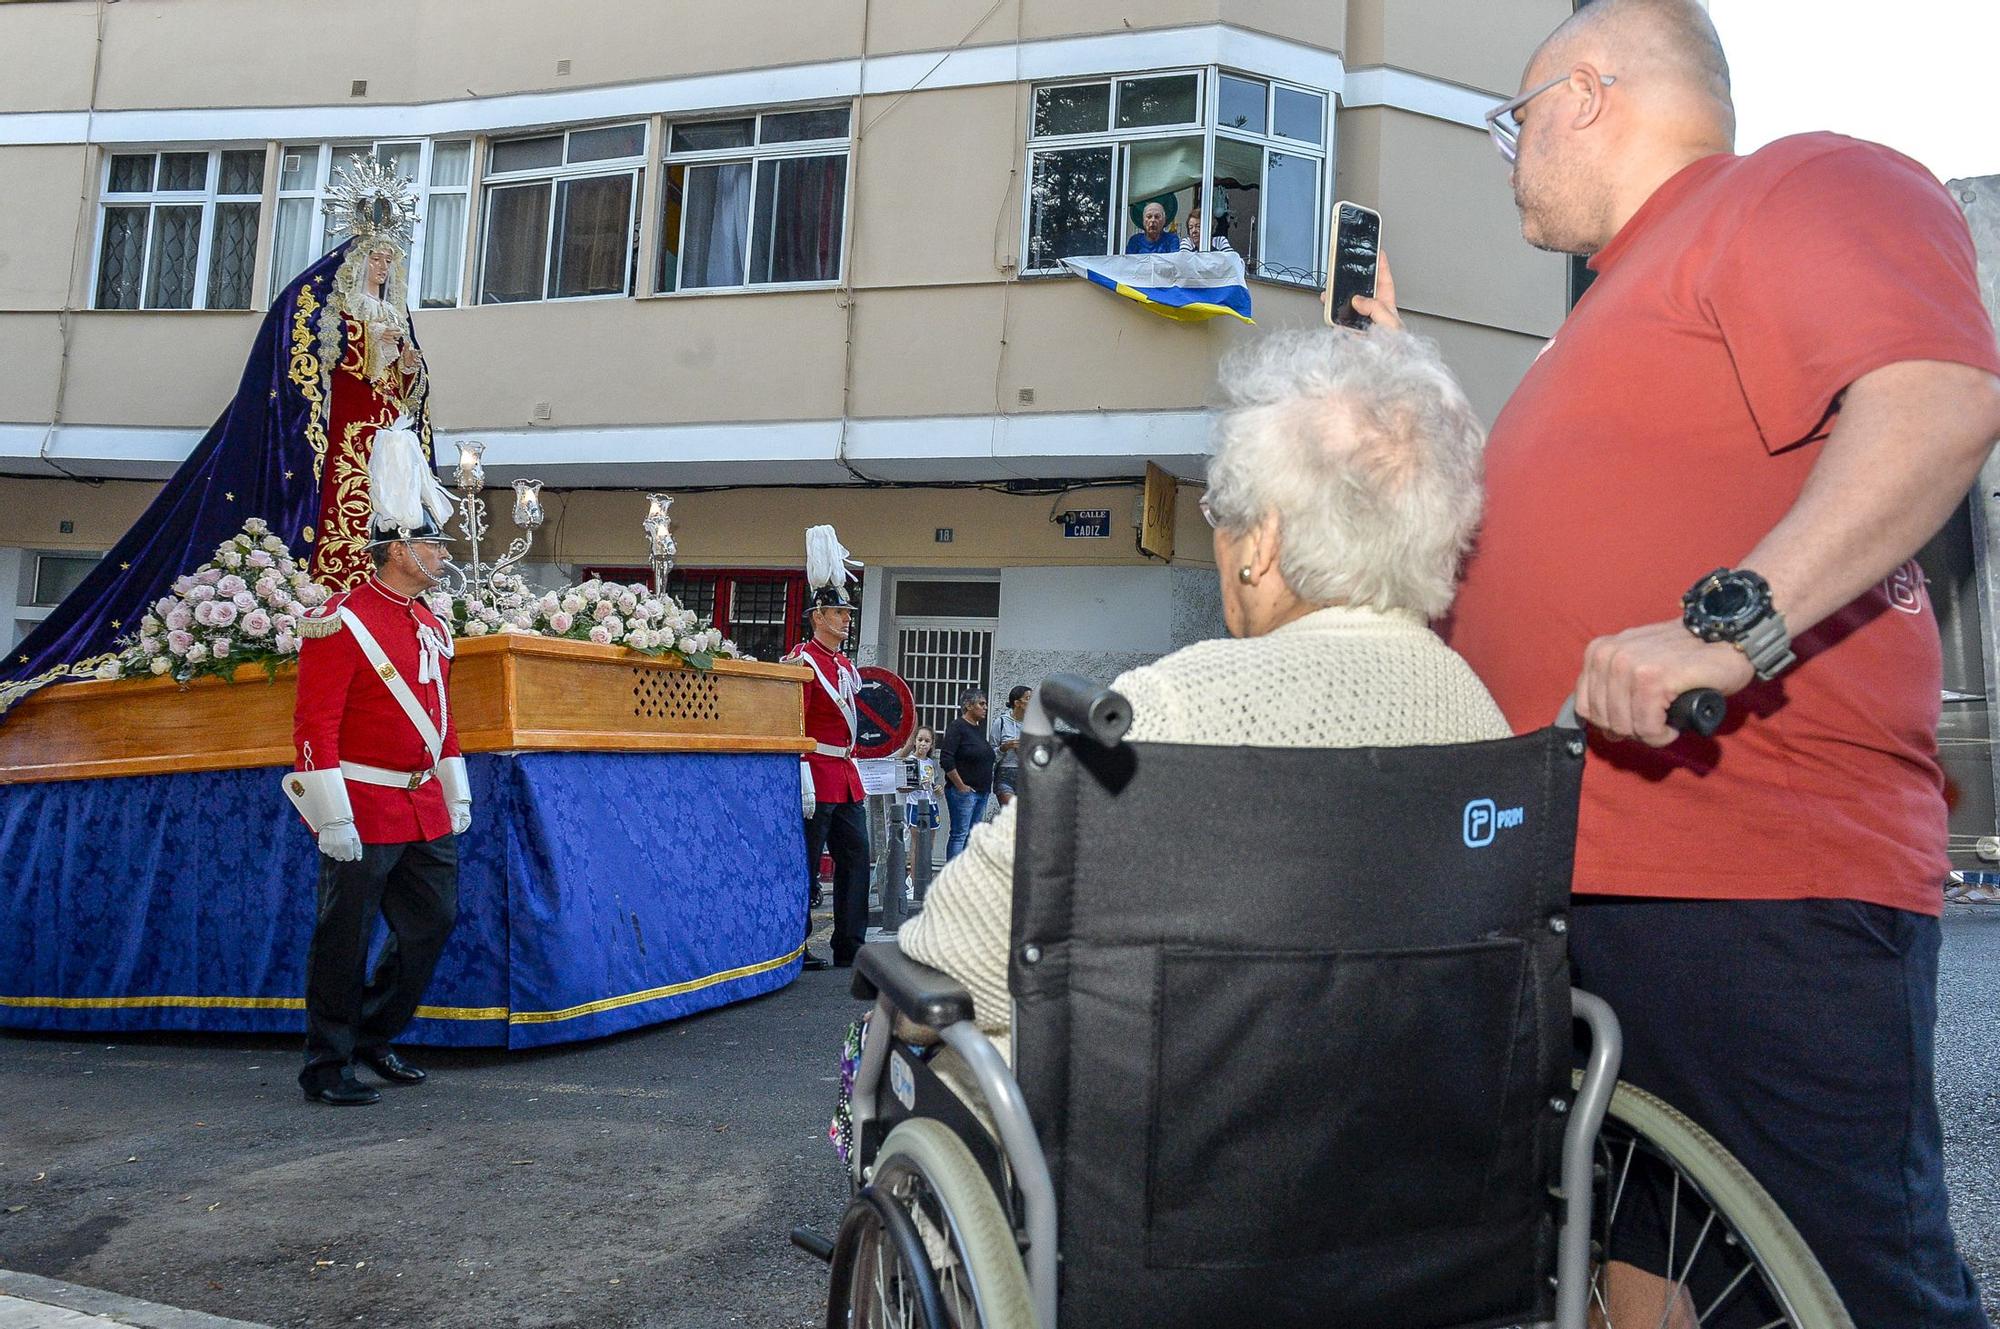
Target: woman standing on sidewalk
967,759
1007,742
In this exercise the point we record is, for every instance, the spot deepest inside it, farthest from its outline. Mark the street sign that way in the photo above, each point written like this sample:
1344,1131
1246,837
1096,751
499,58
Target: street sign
1089,524
885,713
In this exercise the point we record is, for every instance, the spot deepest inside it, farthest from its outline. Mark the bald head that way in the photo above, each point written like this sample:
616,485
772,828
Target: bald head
1669,46
1620,98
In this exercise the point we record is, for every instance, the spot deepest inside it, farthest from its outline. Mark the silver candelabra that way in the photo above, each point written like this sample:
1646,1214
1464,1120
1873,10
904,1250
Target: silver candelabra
660,548
471,477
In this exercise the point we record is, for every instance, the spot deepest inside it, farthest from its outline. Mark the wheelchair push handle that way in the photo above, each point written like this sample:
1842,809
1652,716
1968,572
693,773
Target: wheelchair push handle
1696,711
1088,707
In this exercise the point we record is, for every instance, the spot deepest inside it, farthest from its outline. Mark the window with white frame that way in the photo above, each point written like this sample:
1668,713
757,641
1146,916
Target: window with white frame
178,229
561,214
439,171
754,200
1243,158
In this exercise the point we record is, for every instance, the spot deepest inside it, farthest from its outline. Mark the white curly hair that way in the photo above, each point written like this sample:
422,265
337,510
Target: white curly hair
1365,449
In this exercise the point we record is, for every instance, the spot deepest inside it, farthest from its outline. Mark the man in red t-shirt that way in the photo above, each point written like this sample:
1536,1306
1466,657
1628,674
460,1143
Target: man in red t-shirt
1782,376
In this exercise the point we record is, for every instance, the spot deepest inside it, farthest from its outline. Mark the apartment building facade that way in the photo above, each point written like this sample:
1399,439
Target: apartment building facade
789,263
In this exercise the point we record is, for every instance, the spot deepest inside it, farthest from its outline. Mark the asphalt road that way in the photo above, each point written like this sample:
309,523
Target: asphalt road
647,1180
644,1180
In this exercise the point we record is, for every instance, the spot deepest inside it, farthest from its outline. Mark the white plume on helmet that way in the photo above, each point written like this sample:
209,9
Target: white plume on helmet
827,572
402,490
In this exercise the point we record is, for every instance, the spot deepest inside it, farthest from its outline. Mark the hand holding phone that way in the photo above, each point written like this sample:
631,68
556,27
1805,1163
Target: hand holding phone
1351,264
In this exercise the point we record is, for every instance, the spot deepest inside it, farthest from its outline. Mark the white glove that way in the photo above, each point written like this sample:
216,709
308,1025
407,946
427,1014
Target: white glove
340,842
457,793
321,798
806,799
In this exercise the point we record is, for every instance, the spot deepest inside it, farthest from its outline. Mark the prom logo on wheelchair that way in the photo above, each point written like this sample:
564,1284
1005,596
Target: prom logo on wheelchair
1483,821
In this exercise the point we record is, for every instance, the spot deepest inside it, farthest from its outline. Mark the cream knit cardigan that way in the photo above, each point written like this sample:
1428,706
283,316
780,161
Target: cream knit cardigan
1336,678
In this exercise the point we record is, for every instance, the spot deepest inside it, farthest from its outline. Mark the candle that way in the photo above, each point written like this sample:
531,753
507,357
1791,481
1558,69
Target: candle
471,475
527,504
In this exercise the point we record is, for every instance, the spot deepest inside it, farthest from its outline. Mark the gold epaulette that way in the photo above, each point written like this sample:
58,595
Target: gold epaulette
321,622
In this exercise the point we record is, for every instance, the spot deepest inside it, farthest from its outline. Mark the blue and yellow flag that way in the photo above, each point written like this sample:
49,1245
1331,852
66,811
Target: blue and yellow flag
1188,287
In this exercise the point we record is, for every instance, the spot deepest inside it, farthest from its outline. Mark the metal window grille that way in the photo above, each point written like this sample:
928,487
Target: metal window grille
757,617
939,663
693,592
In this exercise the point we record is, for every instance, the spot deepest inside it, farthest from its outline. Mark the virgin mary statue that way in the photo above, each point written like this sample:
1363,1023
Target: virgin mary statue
334,361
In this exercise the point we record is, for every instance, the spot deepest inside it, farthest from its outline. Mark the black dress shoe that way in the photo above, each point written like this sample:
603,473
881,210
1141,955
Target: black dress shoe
811,961
385,1063
343,1093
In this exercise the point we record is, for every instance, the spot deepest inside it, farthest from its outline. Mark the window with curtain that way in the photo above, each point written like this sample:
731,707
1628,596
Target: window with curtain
1236,161
440,173
754,200
178,229
561,214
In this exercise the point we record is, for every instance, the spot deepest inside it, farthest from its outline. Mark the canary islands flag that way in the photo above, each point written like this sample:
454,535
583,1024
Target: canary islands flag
1188,286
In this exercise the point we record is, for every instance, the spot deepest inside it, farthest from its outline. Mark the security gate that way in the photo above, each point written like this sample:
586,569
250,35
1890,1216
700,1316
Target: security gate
939,661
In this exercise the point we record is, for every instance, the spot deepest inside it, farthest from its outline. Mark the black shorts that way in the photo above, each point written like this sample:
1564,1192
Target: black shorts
1799,1034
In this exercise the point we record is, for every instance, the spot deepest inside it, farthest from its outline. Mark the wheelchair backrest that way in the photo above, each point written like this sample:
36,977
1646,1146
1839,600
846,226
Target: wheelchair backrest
1293,1025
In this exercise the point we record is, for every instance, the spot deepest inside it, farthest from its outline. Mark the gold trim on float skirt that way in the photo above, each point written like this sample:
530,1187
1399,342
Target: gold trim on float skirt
423,1012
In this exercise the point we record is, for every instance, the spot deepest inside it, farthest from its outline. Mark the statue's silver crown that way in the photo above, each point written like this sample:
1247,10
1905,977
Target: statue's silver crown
370,200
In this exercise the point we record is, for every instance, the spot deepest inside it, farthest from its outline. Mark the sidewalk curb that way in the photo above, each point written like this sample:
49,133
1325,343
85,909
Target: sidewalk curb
109,1305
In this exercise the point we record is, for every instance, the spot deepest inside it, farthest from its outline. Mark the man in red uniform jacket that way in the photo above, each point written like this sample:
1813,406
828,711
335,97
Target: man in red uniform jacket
381,781
834,803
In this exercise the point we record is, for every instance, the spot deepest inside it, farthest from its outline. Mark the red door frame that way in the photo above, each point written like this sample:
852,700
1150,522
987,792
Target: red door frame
725,579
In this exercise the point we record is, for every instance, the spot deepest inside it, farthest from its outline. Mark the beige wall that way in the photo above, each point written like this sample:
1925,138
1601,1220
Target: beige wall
32,512
1489,362
937,186
734,528
1481,43
933,325
30,352
881,527
157,54
48,55
47,190
1448,221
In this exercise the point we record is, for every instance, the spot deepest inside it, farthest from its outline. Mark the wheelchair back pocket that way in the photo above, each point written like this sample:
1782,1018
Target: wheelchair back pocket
1309,1102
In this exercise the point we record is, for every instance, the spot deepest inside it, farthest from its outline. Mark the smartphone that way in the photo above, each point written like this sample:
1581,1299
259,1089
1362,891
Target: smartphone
1351,263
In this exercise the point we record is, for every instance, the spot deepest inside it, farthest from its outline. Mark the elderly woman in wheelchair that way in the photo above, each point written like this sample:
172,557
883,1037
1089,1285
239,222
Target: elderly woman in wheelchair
1274,941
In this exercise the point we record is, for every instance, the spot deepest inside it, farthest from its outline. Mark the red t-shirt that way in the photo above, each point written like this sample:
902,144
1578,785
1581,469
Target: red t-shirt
1663,433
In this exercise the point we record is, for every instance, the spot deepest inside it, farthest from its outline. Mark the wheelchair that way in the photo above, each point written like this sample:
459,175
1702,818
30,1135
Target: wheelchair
1294,1045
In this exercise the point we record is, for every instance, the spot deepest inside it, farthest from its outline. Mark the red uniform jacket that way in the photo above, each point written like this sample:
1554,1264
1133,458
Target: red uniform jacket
345,712
835,779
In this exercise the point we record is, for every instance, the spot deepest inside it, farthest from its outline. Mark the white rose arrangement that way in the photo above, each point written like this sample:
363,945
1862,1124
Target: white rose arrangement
607,613
241,607
597,611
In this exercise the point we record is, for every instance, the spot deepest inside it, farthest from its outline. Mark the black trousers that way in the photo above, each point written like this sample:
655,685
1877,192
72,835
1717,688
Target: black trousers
414,889
1800,1034
843,829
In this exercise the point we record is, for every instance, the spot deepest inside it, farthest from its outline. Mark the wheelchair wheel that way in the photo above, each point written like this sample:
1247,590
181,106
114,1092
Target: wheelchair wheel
926,1244
1669,1198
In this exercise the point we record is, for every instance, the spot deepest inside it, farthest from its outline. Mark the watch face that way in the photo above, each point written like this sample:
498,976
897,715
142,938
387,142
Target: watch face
1727,601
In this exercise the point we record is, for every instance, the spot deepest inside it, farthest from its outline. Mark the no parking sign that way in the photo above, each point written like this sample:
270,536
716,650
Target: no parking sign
885,714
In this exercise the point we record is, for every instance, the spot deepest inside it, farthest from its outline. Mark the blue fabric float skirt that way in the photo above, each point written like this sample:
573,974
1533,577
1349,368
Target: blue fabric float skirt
597,892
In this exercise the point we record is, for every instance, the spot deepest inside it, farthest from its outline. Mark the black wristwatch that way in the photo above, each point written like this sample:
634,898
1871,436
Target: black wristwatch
1734,605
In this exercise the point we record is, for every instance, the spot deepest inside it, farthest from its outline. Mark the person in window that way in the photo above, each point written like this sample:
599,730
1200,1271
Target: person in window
1154,238
1192,240
1344,490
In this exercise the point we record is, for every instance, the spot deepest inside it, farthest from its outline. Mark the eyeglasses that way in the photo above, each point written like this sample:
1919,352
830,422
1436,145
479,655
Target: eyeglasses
1504,124
1207,513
